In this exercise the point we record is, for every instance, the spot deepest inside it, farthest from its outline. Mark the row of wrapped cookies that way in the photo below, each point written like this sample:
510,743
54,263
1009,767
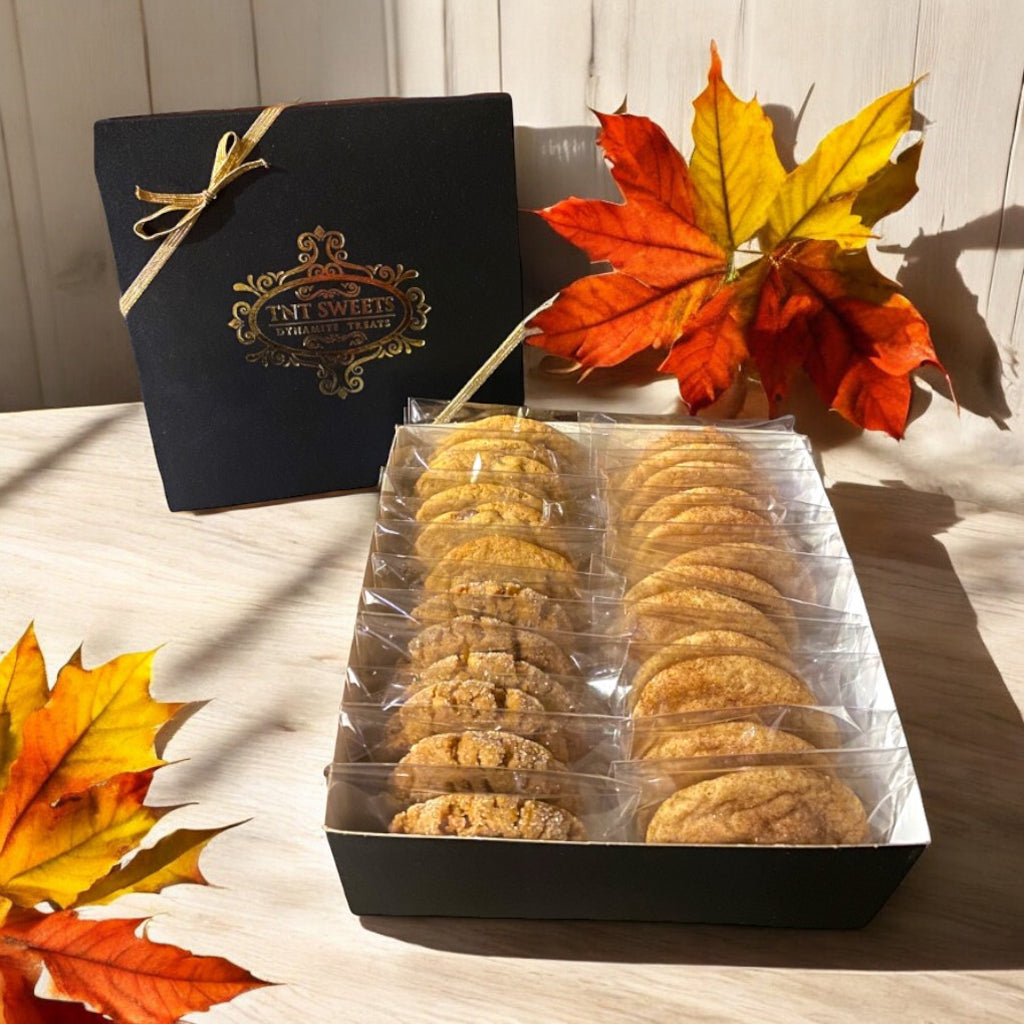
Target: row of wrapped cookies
759,705
481,682
595,617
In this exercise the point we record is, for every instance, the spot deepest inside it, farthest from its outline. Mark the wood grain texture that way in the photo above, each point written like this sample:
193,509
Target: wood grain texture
19,382
103,74
315,50
418,54
200,55
256,606
24,260
472,46
545,60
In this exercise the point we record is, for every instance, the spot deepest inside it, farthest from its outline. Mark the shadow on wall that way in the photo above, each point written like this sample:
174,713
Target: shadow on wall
554,163
965,345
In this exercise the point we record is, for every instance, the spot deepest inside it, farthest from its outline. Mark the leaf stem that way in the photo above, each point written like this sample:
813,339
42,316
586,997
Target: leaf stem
731,273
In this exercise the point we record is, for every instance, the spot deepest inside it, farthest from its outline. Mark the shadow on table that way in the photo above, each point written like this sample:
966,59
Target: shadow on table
54,456
962,906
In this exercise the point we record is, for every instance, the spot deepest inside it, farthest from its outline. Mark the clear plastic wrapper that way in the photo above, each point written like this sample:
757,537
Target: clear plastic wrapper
628,504
705,513
745,730
425,410
563,448
519,606
706,505
433,541
627,446
569,491
672,678
368,798
677,615
578,742
582,511
391,640
621,423
712,469
624,470
657,552
607,703
760,574
771,798
804,577
389,685
393,571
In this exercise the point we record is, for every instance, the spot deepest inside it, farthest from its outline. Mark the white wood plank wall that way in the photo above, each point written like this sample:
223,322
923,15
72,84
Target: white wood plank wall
958,248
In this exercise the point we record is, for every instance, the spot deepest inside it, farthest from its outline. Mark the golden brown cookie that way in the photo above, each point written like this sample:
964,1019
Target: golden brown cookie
450,529
685,437
700,525
794,806
536,431
468,704
462,495
495,816
731,455
466,634
499,668
718,739
666,616
732,582
781,568
672,504
481,749
518,471
510,602
718,681
716,640
508,445
512,551
680,478
520,561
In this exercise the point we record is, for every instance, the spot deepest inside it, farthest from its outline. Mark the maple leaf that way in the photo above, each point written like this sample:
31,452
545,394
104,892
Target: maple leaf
735,168
856,337
78,761
685,278
665,265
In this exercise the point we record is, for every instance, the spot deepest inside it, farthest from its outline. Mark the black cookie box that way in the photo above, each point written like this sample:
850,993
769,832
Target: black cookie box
376,257
788,886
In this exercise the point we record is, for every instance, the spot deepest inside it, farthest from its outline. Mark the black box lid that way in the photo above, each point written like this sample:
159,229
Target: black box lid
371,190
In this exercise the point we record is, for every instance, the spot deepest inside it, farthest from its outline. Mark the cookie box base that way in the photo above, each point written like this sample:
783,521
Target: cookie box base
808,887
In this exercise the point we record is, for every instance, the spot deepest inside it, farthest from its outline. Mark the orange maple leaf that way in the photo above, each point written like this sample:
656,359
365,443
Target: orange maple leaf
78,762
665,265
107,966
686,279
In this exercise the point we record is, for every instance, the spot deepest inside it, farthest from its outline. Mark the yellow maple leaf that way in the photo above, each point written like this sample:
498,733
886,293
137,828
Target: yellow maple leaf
174,859
734,166
23,690
81,759
816,200
57,851
98,723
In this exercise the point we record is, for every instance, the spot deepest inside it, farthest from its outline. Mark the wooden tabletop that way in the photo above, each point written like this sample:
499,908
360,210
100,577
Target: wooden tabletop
255,608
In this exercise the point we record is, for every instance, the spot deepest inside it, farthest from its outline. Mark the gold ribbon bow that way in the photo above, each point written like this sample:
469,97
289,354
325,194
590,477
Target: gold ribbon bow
229,163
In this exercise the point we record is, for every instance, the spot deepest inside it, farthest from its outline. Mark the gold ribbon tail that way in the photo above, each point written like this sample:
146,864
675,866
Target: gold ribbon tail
229,163
519,333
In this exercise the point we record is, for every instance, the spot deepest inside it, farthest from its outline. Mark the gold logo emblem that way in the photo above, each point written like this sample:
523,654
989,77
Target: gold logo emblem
330,315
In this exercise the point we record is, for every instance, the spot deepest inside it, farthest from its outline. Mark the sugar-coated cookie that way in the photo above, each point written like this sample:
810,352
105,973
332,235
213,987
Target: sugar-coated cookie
485,814
793,806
